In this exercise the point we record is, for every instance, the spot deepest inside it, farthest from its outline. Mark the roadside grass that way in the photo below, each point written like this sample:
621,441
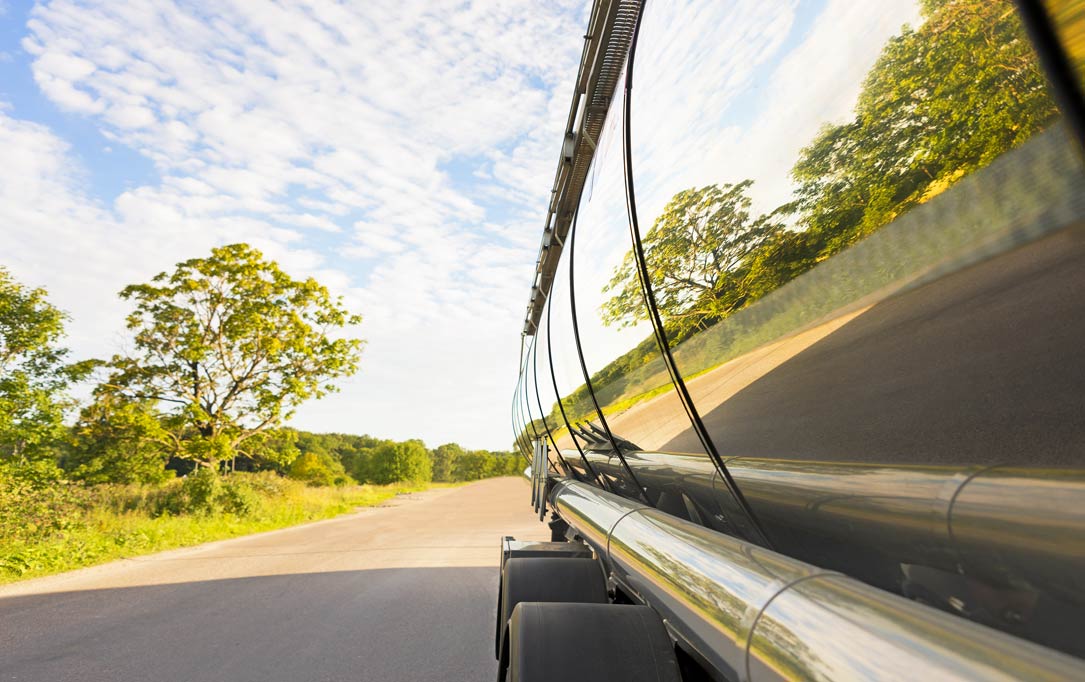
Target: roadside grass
116,522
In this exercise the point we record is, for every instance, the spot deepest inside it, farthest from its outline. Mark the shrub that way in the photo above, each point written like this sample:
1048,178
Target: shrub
36,502
202,489
266,483
317,470
238,497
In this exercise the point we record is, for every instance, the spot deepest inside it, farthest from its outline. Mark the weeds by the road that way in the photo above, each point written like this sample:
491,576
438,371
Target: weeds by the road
54,526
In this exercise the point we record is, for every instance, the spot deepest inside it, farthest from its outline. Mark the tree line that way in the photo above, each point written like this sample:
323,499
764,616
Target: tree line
330,458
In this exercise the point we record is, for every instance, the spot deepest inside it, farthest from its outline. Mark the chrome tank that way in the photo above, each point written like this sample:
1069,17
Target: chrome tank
748,613
1003,546
789,295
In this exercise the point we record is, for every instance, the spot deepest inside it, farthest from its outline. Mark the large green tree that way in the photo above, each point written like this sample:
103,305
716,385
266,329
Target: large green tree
693,252
34,372
406,461
227,347
942,101
444,461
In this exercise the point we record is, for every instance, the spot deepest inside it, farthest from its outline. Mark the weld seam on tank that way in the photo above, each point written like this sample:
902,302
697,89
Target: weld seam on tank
939,522
952,541
623,517
750,625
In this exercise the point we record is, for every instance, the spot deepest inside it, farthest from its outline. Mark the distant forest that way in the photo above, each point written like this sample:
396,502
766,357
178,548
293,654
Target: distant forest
336,458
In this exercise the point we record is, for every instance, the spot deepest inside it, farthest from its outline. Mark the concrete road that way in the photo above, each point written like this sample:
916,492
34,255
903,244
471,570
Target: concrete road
402,592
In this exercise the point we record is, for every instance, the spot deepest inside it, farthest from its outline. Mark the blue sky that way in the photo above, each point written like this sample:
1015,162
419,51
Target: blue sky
400,151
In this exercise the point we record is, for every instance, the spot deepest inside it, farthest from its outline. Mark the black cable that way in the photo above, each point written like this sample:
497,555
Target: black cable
561,408
527,405
657,322
538,399
571,240
516,425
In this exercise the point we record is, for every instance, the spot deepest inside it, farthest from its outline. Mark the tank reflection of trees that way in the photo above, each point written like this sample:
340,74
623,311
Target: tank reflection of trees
697,249
941,102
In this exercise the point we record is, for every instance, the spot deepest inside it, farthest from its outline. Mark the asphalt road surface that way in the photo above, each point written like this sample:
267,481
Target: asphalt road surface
984,366
401,592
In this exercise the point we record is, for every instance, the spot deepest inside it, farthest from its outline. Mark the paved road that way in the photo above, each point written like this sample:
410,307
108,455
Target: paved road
984,366
403,592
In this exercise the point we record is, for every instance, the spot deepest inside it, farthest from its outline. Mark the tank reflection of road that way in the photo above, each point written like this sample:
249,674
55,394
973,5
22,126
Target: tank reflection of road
913,444
983,366
998,545
661,422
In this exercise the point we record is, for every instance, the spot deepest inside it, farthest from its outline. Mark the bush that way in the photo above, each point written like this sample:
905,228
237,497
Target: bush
266,483
317,470
202,489
167,501
238,497
36,502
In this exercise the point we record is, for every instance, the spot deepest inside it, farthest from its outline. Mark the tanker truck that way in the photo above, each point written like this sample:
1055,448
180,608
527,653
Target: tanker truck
802,384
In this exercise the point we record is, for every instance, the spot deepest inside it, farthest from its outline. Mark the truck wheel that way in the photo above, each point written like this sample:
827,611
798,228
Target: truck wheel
588,643
547,579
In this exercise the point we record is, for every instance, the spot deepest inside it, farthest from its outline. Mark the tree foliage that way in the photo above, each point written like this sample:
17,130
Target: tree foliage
473,466
405,461
119,441
942,101
445,458
34,373
228,346
318,469
693,253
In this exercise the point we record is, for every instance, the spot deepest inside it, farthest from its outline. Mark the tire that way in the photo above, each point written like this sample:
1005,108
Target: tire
547,579
562,642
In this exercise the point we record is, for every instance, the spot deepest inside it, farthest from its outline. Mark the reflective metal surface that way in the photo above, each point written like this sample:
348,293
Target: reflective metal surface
863,229
712,591
599,236
750,613
1000,545
832,628
797,234
544,384
537,425
517,420
744,183
592,515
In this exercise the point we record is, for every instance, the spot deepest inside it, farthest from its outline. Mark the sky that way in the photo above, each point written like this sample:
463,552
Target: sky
401,152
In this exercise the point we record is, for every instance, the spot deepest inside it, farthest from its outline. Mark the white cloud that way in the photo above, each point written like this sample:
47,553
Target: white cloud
689,131
275,122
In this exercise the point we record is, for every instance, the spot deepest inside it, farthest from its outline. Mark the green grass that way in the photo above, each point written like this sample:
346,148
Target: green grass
121,523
